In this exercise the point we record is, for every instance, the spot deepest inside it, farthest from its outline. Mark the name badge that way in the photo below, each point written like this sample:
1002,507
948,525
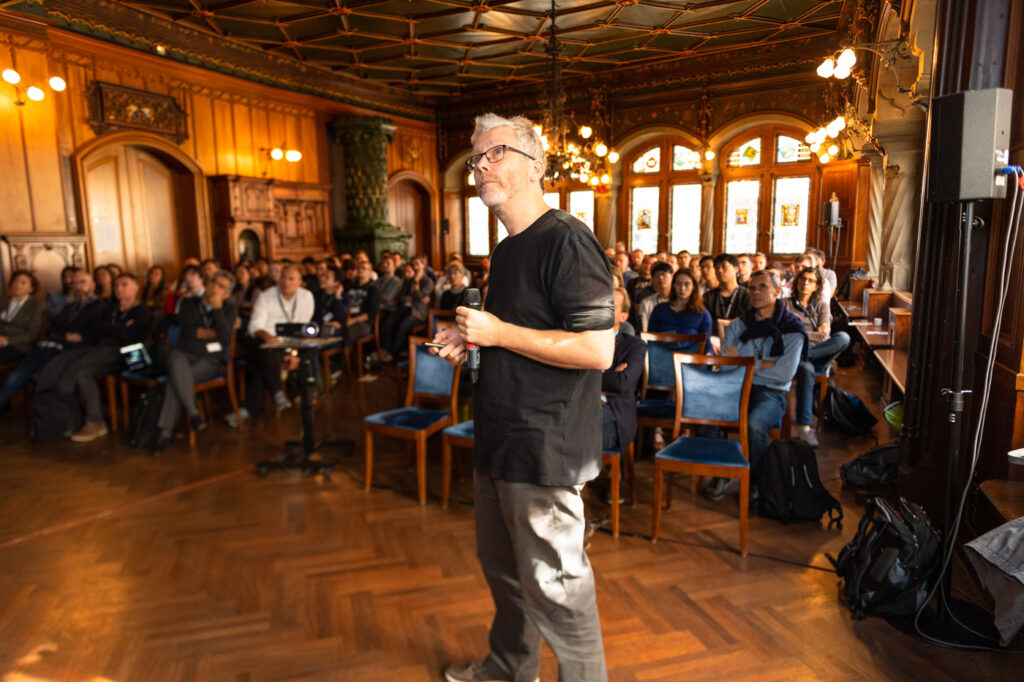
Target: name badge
214,347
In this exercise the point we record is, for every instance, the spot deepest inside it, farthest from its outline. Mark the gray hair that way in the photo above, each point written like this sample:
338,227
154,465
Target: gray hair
770,275
527,139
224,274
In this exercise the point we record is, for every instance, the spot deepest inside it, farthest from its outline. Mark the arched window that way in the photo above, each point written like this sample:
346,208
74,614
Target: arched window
663,196
768,179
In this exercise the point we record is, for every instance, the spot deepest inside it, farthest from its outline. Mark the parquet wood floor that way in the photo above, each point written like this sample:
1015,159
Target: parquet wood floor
118,566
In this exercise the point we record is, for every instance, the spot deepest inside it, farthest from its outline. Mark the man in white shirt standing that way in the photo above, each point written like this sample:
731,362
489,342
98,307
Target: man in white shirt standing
287,302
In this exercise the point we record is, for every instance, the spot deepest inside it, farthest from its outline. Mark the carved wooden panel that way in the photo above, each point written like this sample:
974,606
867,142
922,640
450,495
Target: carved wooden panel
302,221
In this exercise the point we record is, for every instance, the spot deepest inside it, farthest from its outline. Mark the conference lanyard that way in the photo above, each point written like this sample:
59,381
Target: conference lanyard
295,302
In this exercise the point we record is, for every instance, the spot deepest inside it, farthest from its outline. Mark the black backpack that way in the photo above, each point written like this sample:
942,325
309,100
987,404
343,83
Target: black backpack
145,414
876,468
55,416
790,488
886,568
846,412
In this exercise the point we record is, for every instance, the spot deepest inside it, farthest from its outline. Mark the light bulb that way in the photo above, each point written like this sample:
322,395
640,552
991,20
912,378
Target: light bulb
276,154
600,149
586,132
35,94
824,158
841,72
57,84
840,122
833,150
613,156
826,68
815,147
292,155
606,179
584,178
11,76
595,181
709,155
846,59
831,129
809,138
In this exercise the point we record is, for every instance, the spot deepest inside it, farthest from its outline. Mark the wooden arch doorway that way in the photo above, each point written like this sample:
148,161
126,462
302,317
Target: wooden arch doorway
143,200
410,207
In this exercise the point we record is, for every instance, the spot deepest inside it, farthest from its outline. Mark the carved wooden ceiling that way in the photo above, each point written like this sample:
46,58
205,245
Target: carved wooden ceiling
441,48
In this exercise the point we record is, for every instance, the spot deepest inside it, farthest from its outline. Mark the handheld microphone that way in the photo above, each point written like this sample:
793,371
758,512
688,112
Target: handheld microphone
471,299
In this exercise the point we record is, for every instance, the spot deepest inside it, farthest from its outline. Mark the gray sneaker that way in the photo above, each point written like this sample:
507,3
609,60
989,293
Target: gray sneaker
232,420
476,671
281,401
806,434
715,490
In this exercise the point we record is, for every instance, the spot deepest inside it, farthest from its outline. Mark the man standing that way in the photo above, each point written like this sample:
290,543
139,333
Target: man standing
773,335
544,338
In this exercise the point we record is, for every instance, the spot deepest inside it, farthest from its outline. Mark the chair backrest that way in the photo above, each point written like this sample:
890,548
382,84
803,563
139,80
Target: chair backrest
712,389
435,317
431,377
659,374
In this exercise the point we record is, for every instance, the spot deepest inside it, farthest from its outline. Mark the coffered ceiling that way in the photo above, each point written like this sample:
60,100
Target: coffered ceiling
444,48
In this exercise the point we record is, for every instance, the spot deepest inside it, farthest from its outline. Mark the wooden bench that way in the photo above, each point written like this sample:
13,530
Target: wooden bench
854,306
890,348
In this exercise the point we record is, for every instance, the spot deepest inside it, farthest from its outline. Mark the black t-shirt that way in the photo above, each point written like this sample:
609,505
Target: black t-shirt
730,308
535,423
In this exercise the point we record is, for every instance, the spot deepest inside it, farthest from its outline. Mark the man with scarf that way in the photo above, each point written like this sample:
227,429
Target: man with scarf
777,338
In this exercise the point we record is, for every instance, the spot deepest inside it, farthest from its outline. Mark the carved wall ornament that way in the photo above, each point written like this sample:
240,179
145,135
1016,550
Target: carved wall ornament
116,107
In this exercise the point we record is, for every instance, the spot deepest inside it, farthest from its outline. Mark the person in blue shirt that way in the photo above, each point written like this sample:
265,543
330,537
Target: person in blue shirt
684,313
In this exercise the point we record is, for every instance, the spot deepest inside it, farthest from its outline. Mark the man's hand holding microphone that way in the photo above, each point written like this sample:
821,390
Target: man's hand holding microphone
473,328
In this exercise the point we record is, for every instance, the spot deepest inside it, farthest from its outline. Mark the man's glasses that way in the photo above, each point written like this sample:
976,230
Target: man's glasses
494,155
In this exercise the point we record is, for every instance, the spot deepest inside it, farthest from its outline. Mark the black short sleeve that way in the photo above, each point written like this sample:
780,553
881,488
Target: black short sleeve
582,280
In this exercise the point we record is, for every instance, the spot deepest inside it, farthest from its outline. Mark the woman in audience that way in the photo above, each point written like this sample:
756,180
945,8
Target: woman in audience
104,282
154,294
21,316
684,313
56,299
245,291
457,277
809,306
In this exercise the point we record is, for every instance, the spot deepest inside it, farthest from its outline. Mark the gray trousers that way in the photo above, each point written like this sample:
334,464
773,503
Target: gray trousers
530,544
183,372
81,367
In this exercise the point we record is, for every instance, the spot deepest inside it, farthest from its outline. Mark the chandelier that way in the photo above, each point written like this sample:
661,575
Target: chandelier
574,151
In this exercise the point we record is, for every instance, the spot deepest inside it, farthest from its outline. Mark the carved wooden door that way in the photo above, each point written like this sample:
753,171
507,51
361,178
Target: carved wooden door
409,209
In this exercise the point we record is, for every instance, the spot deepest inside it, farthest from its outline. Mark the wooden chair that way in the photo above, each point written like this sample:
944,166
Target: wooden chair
325,360
659,376
719,395
431,379
459,435
360,344
613,459
437,316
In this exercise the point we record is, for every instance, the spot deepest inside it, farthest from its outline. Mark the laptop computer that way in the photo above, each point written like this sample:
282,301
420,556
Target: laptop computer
137,359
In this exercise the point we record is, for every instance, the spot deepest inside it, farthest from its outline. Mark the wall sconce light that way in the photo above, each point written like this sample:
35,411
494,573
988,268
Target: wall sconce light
32,92
282,152
890,53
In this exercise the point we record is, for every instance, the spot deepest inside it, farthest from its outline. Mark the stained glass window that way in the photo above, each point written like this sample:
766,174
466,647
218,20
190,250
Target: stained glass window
684,158
686,210
790,150
789,220
581,205
741,199
648,162
644,218
747,154
479,234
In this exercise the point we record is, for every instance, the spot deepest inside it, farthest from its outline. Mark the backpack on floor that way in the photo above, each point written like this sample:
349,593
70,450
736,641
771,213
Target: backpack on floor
887,568
790,488
55,416
144,431
876,468
846,412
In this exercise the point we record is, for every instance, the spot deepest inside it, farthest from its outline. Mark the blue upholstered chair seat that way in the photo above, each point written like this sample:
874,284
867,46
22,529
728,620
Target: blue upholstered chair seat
412,418
656,409
143,378
612,451
461,430
711,451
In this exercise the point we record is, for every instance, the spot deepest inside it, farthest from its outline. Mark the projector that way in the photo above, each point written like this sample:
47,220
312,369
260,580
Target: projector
297,330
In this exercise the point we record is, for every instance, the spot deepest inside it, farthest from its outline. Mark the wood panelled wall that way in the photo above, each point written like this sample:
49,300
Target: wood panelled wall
230,124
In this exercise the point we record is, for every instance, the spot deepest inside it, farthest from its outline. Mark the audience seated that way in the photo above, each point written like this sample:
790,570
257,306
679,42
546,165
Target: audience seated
457,279
387,283
56,299
191,285
813,311
708,278
74,327
684,312
777,338
245,291
661,280
124,323
205,328
728,300
759,261
412,310
155,291
365,303
104,278
285,302
744,266
21,317
640,285
619,382
331,304
621,260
